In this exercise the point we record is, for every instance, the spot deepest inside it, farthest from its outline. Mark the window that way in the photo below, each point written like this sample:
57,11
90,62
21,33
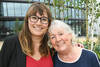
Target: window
24,8
69,13
83,14
10,9
77,13
73,13
52,11
17,9
41,0
80,13
5,13
61,13
65,13
57,12
38,0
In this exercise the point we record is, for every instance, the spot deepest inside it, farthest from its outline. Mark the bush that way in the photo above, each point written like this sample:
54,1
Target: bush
97,50
96,47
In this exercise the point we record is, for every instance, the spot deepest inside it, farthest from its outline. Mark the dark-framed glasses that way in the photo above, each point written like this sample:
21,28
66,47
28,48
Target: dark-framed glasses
43,20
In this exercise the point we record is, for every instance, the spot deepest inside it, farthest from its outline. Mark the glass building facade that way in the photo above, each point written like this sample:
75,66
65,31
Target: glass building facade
12,14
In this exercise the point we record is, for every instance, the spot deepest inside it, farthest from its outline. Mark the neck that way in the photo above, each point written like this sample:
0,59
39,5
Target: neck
36,39
36,42
66,52
71,55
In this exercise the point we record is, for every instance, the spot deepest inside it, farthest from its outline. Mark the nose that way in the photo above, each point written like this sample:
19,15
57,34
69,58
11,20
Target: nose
58,38
38,22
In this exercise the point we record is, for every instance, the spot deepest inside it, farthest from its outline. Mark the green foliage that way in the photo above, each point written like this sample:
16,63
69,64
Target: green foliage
63,7
86,44
18,26
98,15
96,48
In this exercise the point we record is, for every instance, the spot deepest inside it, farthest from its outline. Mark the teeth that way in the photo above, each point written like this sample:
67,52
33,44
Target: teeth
37,28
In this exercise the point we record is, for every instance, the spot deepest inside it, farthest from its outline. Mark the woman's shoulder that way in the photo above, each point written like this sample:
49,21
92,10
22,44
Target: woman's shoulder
89,53
12,37
9,44
11,41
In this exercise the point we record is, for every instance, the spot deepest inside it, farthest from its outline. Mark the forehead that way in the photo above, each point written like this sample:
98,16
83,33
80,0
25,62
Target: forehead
44,14
57,31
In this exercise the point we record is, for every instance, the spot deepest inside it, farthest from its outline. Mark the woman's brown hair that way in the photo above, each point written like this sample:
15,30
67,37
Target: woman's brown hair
25,37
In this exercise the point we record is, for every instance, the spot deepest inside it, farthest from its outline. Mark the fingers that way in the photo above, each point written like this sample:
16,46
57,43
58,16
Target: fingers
79,45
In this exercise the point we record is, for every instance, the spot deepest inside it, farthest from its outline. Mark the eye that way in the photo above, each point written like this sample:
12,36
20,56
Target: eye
44,19
52,37
34,18
60,33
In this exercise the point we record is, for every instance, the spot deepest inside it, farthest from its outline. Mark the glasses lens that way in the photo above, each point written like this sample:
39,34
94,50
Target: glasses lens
34,18
44,20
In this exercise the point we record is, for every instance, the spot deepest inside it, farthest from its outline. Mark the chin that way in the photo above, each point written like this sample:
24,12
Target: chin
61,49
37,34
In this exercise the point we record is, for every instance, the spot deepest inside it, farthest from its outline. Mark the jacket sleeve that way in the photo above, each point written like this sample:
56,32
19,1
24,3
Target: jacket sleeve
6,52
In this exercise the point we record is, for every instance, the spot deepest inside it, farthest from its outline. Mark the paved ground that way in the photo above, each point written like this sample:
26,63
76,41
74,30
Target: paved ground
1,42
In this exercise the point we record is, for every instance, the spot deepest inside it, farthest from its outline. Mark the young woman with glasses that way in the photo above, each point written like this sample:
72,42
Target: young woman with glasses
29,48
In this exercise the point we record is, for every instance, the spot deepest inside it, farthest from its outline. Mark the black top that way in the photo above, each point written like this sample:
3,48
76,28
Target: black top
11,54
87,59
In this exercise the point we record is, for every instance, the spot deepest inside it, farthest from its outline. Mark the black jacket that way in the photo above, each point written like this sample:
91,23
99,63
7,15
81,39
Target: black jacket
11,54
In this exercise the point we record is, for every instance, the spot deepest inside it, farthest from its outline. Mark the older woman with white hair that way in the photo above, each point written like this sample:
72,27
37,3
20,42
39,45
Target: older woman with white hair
68,55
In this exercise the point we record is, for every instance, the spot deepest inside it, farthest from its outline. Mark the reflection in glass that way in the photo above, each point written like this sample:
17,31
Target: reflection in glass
10,9
57,12
52,11
4,9
73,13
24,8
80,13
69,13
41,0
77,13
17,9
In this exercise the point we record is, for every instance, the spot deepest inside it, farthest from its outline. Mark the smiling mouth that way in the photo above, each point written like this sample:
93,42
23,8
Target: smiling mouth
60,44
38,28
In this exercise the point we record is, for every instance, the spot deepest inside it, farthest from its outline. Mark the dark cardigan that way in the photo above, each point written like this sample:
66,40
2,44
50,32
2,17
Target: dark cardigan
11,54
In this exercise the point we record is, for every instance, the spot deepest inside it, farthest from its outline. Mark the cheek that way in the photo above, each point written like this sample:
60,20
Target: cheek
46,27
30,26
65,38
52,42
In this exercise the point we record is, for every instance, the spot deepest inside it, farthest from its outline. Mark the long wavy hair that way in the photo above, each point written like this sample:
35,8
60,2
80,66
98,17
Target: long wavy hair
25,36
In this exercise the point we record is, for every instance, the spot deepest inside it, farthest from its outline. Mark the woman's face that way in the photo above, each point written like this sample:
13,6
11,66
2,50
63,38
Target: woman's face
60,40
38,24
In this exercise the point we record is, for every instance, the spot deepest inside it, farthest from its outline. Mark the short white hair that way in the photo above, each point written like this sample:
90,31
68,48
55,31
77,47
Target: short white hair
56,24
60,24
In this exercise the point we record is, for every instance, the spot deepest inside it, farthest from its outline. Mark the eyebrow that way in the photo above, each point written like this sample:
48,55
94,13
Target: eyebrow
51,34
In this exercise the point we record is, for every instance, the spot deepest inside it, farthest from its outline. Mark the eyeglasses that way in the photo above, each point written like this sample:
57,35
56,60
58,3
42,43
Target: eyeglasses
34,19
